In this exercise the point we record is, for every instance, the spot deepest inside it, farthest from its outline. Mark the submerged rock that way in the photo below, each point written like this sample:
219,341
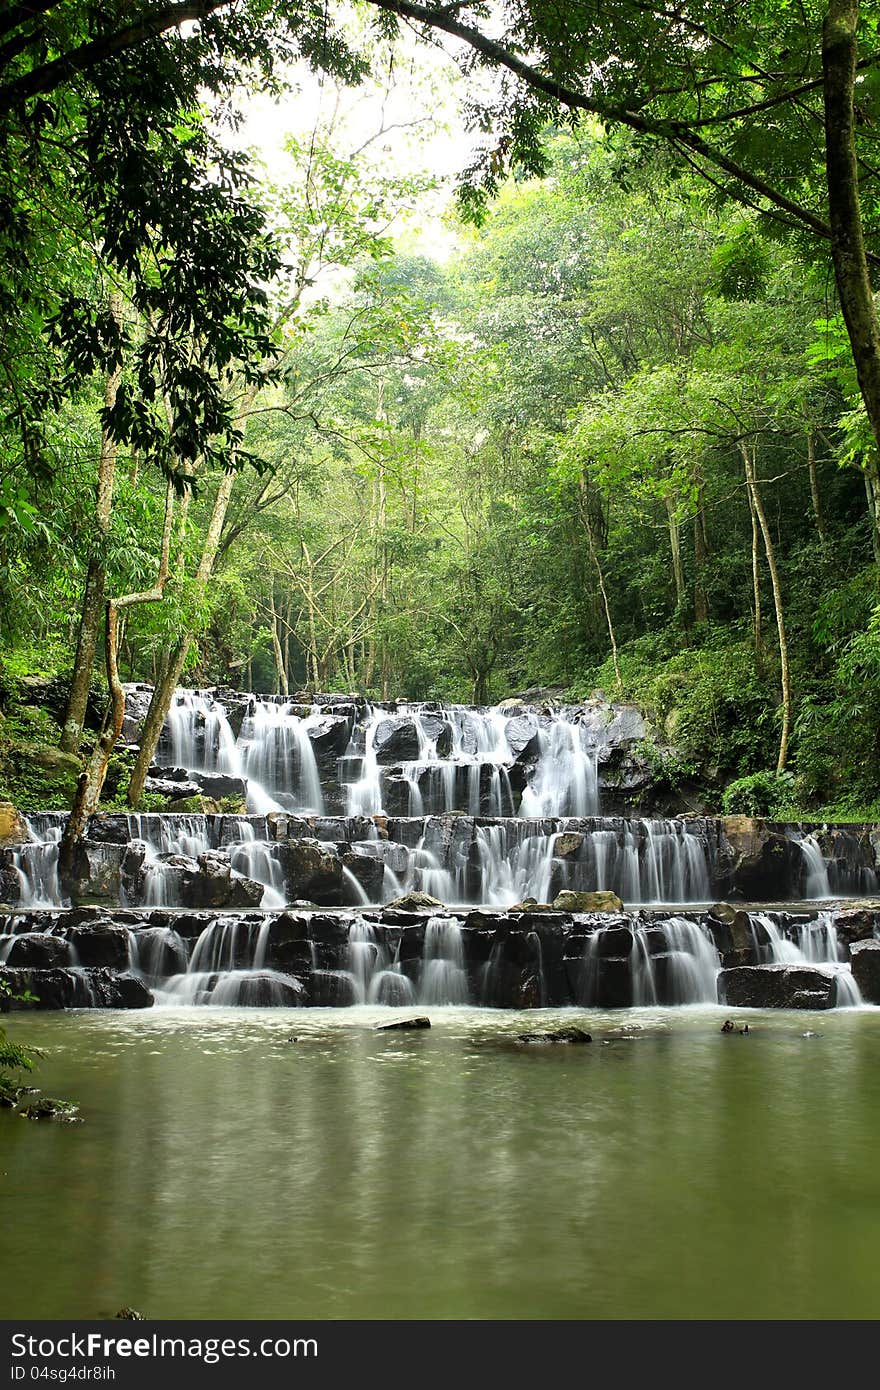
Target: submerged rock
46,1108
561,1035
404,1025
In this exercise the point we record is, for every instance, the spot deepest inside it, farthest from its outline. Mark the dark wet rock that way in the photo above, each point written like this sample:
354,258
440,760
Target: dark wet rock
101,944
98,988
561,1035
369,873
404,1025
439,732
329,738
866,969
626,725
777,987
858,923
764,864
312,869
47,1108
164,786
102,872
220,787
39,951
613,941
331,989
396,740
732,934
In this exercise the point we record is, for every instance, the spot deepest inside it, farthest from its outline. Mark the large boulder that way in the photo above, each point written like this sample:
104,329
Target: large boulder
732,934
39,951
312,869
866,969
396,740
764,864
104,872
860,922
368,873
522,738
329,735
570,901
415,902
13,830
101,944
73,989
777,987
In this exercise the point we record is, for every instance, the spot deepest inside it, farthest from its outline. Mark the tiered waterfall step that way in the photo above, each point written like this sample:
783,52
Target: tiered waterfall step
526,959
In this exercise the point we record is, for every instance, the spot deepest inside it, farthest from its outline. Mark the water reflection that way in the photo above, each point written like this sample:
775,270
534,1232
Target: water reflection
665,1171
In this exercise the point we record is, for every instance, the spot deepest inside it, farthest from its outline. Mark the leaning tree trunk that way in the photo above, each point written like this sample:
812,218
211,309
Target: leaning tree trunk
754,493
96,575
91,781
839,60
163,692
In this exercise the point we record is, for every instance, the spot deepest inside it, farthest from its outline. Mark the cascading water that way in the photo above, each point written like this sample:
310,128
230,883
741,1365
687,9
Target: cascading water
35,863
817,944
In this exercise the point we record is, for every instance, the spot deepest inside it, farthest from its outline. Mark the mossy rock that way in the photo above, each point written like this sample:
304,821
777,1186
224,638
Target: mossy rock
39,776
569,901
194,806
13,830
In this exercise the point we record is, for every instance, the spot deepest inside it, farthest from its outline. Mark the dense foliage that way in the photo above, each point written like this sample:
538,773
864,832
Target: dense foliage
617,441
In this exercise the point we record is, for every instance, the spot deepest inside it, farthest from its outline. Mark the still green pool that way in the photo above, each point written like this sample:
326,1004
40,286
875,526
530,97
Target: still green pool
300,1164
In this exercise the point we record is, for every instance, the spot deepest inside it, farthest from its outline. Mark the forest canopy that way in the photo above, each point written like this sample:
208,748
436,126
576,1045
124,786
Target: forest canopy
622,438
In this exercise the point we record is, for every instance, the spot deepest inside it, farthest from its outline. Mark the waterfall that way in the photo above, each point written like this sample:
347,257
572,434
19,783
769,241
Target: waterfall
667,961
35,863
444,978
817,945
565,782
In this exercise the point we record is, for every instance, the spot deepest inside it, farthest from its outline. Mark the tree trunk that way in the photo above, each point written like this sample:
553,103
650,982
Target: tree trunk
675,547
701,555
281,686
872,496
756,588
814,487
163,692
751,479
91,781
588,526
96,576
847,238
